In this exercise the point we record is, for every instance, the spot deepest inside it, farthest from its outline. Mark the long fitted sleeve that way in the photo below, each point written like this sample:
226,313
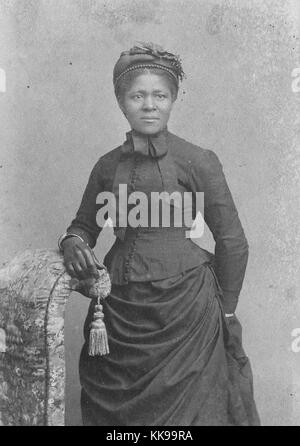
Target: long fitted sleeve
85,224
221,216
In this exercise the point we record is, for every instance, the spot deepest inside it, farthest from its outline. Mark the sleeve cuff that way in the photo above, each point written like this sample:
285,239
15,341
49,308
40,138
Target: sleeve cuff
84,235
230,301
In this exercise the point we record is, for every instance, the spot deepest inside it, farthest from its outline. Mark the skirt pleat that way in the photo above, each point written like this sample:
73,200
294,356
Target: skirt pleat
174,359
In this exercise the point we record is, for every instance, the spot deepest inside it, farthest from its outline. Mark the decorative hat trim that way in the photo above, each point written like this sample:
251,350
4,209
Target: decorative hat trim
139,66
157,51
148,55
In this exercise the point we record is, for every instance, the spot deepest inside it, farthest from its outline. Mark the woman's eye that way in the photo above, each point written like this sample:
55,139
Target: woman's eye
161,96
137,96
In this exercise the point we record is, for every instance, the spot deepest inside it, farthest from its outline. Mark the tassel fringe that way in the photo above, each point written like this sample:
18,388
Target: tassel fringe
98,342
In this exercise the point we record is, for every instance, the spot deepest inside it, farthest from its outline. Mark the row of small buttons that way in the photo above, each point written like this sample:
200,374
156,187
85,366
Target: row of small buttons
127,275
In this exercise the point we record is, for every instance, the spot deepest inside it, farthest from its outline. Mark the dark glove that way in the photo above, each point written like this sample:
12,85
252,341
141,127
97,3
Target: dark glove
234,339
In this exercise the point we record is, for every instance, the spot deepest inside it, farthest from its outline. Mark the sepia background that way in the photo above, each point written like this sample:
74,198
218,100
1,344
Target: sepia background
241,99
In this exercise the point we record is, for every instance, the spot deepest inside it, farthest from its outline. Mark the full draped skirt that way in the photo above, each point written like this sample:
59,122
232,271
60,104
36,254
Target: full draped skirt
174,360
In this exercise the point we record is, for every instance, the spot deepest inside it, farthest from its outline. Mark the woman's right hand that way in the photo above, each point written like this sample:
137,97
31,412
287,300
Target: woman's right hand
79,259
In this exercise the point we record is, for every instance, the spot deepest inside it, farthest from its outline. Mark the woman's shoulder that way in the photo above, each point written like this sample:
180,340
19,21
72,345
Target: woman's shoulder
111,155
109,158
195,154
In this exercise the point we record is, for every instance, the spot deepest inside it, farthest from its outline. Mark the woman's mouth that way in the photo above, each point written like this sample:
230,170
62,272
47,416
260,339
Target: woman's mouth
150,119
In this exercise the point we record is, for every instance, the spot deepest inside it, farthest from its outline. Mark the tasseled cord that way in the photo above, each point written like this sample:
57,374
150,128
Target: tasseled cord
97,290
98,343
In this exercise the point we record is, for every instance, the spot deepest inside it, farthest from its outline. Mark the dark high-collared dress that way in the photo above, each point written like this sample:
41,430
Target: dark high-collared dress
174,358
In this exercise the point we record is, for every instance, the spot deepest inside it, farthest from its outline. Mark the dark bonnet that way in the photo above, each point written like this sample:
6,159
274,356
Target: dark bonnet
147,55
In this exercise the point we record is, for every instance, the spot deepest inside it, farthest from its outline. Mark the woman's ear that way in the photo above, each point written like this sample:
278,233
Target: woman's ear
123,111
174,96
121,105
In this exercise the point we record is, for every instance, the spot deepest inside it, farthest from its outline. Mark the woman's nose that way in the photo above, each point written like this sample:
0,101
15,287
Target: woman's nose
149,103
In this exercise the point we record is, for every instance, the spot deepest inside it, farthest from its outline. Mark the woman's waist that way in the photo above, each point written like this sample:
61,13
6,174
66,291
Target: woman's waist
155,233
152,256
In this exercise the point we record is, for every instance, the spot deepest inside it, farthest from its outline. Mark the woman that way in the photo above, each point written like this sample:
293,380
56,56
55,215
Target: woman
175,344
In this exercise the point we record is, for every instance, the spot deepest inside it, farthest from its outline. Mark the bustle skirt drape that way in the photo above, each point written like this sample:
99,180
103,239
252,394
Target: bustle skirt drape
174,359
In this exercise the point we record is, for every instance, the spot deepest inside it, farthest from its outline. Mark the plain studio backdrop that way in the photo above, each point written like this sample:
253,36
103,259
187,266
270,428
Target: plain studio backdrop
241,99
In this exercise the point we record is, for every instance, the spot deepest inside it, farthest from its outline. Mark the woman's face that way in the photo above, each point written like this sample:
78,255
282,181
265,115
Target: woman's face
147,103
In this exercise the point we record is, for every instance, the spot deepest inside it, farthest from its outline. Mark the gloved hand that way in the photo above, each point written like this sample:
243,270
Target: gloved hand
80,261
234,339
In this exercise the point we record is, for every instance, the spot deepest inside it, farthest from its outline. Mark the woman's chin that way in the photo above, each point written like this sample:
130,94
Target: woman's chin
148,130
